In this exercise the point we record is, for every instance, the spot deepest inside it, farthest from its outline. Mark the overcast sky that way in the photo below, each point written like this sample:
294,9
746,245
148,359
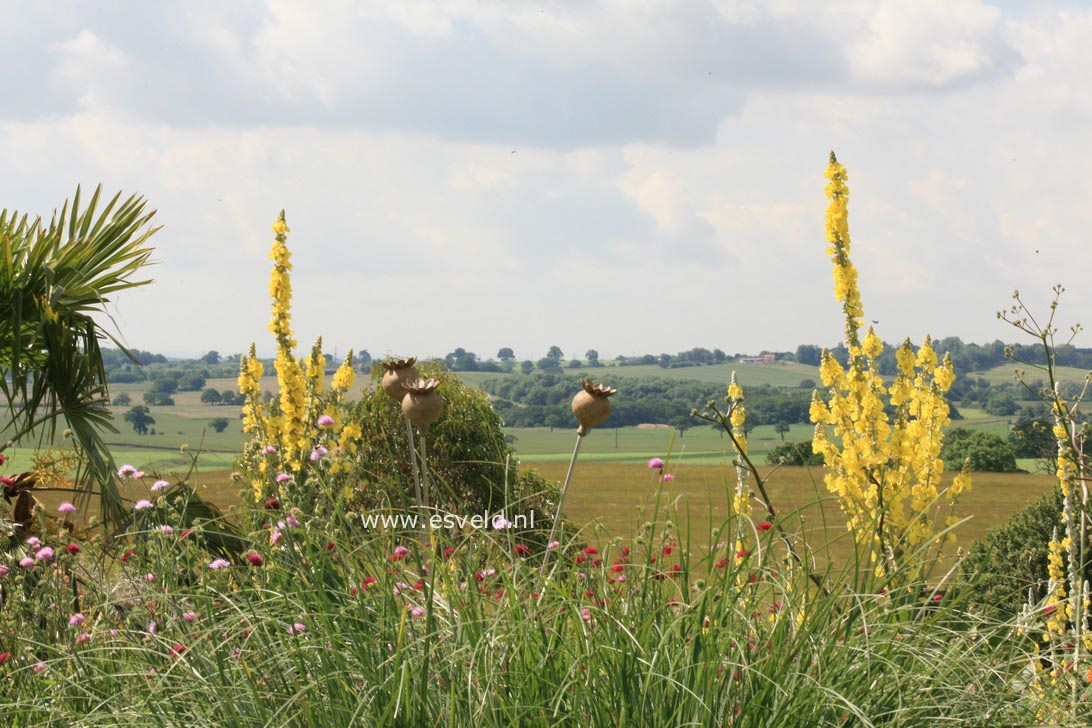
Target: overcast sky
634,176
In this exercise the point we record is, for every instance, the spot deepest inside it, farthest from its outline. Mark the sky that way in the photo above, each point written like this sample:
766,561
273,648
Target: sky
635,177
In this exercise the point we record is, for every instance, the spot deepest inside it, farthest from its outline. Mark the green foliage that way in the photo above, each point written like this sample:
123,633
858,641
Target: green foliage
211,397
140,418
1032,438
794,453
158,399
219,423
470,464
122,400
986,451
1012,558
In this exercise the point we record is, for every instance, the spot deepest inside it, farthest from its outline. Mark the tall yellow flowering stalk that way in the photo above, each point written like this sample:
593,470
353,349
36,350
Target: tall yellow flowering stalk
885,469
288,433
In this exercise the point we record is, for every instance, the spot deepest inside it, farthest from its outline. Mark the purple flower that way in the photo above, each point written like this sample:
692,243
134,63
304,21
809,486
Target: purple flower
219,564
66,507
143,505
159,485
656,464
297,628
190,617
151,578
82,638
26,562
44,554
166,530
666,478
318,453
292,522
500,523
269,450
282,477
34,542
76,620
4,570
127,471
400,551
40,667
553,545
417,611
325,421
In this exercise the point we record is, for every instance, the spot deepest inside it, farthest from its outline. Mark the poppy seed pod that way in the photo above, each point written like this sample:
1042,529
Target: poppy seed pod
422,404
398,372
591,406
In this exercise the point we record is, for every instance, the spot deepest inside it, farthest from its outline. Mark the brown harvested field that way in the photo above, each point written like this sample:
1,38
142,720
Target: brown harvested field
613,494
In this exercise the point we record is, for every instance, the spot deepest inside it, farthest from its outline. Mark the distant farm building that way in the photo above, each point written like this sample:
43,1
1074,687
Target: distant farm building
763,359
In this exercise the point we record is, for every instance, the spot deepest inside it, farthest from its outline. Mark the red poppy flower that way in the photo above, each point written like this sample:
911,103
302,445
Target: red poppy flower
764,526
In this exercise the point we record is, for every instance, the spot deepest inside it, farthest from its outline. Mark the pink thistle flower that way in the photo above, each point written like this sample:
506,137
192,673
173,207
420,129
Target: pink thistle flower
34,542
269,450
275,537
500,523
318,453
283,477
72,548
151,578
39,668
292,522
143,505
159,485
127,471
254,559
66,507
76,620
399,553
416,611
297,628
44,554
83,637
585,614
656,464
325,421
666,478
4,570
219,564
26,562
166,530
553,545
190,617
139,474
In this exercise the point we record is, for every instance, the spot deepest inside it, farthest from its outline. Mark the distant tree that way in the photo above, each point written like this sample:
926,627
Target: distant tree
191,383
527,366
506,354
807,384
593,357
211,396
467,362
213,357
555,353
574,364
794,453
553,420
219,423
809,354
1033,438
140,418
122,400
682,424
158,399
165,385
719,356
1001,404
363,360
782,428
986,451
231,397
547,363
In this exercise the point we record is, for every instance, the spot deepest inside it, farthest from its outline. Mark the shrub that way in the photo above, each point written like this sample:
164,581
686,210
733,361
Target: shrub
986,451
794,453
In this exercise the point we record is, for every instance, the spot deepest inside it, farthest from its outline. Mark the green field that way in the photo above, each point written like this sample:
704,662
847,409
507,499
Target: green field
1004,374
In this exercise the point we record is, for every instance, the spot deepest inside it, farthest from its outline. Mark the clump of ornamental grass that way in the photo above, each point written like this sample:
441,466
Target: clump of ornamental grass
321,622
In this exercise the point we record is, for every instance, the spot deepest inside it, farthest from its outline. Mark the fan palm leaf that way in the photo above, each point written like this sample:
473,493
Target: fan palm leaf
55,280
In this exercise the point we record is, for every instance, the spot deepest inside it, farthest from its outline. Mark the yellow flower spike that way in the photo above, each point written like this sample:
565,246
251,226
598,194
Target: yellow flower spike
877,460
